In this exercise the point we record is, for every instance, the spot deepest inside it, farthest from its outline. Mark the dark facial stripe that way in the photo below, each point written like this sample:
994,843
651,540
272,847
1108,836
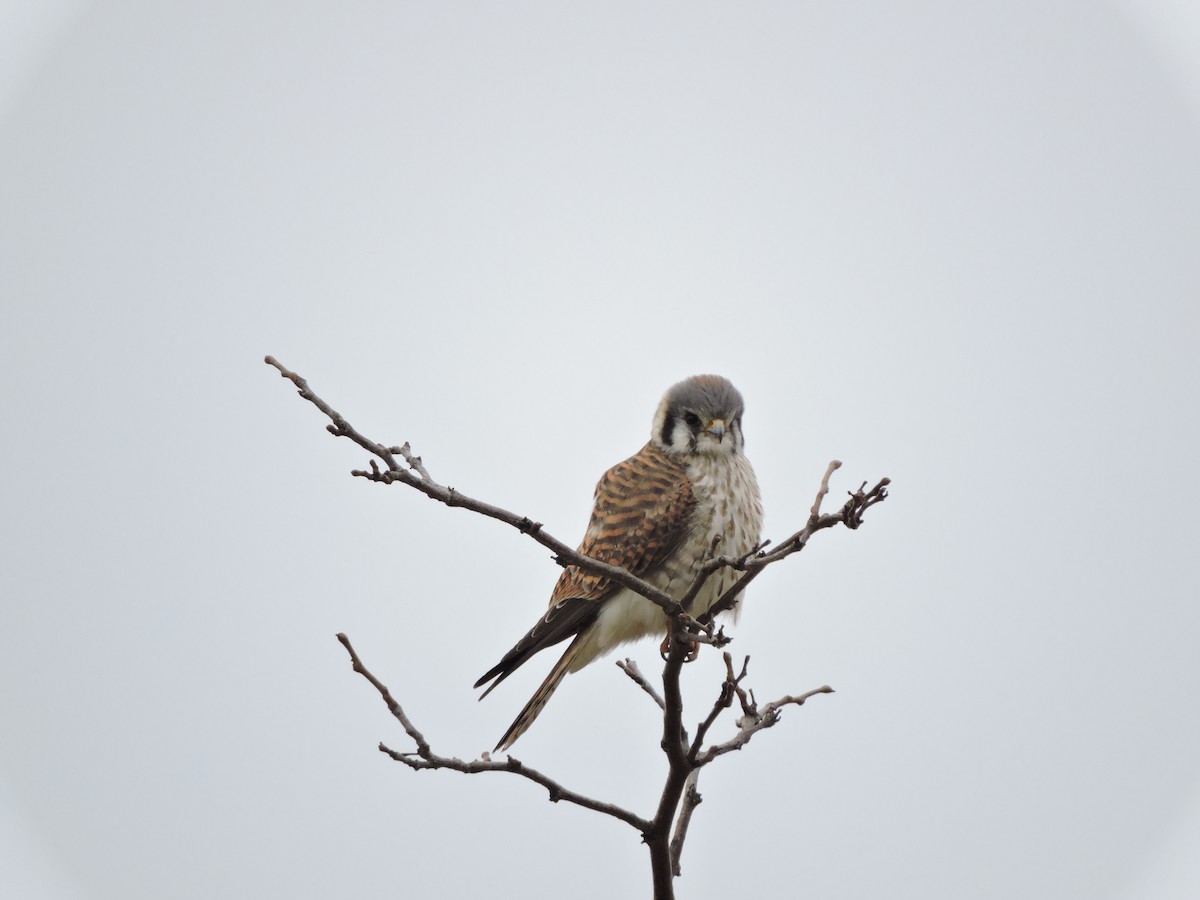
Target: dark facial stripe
668,427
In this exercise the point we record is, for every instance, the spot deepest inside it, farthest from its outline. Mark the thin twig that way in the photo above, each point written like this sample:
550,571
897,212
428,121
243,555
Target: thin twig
723,702
630,668
815,512
750,725
393,707
691,799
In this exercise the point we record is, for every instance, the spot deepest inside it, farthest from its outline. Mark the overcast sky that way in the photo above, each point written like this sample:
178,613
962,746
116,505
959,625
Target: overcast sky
955,244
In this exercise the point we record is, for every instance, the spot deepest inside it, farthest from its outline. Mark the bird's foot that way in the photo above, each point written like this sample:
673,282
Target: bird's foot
693,649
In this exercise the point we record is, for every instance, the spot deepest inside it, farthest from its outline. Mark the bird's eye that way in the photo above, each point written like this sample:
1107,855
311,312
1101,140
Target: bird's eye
692,419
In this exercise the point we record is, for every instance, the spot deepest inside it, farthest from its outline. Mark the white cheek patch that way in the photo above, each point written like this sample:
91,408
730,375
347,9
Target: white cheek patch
681,436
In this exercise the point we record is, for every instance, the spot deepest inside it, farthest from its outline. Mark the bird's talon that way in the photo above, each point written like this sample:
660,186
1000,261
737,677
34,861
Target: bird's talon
693,649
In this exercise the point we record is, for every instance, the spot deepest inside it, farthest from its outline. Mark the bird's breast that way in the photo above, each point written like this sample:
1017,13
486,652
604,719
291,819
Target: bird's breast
727,521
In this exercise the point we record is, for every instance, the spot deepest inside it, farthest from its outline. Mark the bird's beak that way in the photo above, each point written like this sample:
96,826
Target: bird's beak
716,428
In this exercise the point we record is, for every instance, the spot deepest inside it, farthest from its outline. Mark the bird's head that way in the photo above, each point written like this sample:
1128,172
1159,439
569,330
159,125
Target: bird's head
702,414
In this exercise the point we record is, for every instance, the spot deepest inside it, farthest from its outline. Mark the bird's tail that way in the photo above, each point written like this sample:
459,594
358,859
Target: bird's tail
541,696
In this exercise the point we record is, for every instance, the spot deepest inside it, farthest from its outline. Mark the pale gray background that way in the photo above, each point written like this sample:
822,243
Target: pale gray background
953,243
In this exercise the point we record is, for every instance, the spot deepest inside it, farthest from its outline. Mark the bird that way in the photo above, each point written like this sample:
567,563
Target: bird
687,495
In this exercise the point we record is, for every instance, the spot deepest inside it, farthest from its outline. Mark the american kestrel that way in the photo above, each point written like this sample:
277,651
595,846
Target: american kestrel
689,493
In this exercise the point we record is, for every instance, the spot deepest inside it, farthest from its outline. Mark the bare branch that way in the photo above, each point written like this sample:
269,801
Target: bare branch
723,702
691,799
414,462
815,512
339,427
393,707
630,668
753,722
860,502
674,745
425,758
711,567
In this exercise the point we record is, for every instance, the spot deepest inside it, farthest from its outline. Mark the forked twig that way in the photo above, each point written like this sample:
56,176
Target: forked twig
630,668
425,758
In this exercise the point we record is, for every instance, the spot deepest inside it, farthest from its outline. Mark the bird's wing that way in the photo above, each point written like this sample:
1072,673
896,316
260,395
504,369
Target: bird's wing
643,507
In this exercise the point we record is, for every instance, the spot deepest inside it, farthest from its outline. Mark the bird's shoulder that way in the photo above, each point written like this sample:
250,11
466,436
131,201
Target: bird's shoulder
642,508
648,477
